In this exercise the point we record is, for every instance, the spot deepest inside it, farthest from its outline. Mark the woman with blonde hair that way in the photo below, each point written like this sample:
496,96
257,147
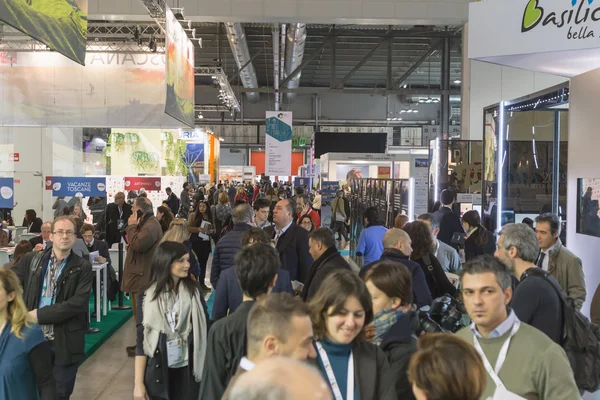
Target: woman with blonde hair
25,355
241,195
446,367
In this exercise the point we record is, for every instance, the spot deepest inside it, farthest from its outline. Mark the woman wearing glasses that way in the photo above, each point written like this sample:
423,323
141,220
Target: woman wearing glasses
171,330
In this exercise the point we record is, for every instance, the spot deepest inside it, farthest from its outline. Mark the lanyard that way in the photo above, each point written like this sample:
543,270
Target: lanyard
331,376
172,316
501,356
53,275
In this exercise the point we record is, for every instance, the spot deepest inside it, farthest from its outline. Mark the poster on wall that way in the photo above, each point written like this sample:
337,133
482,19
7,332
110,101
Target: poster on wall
347,172
78,186
59,24
7,193
179,72
383,172
137,183
588,220
300,182
278,158
328,192
194,160
420,173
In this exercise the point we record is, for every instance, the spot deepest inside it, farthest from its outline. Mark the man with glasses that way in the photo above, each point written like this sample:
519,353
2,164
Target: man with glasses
56,288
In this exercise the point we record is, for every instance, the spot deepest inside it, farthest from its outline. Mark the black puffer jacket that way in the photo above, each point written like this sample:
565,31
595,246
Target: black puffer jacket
226,250
399,344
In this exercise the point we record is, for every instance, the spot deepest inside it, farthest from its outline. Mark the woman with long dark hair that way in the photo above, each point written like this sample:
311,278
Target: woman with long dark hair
201,227
422,243
165,217
172,329
478,240
32,222
340,309
22,248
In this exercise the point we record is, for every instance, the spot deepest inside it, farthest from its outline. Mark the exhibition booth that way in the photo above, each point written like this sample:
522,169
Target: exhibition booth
456,165
524,35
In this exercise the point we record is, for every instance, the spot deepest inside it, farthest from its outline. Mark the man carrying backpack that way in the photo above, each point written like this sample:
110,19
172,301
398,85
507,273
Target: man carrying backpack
534,300
540,301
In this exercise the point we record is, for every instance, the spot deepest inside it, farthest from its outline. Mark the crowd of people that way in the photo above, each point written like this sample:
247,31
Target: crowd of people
291,317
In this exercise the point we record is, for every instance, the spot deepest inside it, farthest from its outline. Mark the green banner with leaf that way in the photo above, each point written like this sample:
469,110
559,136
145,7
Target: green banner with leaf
59,24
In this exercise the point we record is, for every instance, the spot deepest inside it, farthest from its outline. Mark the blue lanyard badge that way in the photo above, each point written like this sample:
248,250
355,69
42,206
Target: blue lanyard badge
51,276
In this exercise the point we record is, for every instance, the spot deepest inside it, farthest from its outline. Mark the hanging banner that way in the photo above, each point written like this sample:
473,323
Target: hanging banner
149,184
59,24
78,186
48,183
300,182
7,193
180,72
278,158
194,160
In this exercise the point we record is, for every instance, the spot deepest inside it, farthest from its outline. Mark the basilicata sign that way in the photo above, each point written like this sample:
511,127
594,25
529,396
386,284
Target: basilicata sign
575,18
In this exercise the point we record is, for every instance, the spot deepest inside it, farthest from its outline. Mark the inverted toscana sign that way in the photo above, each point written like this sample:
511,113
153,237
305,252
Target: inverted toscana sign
501,28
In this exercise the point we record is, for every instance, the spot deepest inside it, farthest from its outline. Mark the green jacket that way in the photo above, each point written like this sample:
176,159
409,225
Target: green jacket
568,271
535,366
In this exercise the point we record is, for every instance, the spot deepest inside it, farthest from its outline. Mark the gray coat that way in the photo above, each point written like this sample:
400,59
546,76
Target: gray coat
568,271
448,257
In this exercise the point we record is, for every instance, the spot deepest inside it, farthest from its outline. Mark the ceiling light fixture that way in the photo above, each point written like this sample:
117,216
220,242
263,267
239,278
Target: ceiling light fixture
457,81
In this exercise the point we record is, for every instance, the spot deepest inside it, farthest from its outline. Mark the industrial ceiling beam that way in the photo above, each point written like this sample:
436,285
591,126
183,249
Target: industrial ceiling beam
416,65
245,65
319,90
304,64
362,62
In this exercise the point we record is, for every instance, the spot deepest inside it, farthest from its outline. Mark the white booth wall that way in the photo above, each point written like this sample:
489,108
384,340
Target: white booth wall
50,151
584,145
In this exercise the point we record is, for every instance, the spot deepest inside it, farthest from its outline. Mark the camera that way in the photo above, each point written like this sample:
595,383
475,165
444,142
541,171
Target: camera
449,313
425,324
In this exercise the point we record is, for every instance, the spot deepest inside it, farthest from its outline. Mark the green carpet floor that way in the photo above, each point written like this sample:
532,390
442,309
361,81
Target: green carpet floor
108,326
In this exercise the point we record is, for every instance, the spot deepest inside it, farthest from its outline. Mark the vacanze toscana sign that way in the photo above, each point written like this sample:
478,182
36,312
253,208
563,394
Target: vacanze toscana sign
574,18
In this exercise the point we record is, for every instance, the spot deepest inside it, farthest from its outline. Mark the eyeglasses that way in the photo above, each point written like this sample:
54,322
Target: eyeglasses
64,233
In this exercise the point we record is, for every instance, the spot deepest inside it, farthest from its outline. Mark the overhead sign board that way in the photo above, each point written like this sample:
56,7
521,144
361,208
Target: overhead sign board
78,186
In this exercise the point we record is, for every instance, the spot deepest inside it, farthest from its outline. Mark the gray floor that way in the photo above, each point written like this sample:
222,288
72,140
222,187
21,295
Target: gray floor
108,373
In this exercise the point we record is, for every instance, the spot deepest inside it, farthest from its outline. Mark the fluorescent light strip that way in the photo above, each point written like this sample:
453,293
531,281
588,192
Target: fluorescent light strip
500,180
437,171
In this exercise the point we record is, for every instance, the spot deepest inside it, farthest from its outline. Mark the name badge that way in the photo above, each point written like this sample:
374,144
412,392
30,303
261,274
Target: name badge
120,224
174,352
45,301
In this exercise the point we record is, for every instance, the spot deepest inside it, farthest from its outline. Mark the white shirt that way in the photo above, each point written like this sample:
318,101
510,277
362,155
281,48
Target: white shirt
501,329
546,260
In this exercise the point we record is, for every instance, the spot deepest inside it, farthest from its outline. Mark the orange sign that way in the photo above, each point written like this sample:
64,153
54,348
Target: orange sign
383,172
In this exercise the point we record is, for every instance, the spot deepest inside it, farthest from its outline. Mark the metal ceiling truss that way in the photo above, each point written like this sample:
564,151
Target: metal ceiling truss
199,108
220,79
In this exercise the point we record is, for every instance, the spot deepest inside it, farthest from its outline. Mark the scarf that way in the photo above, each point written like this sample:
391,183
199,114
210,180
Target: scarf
155,323
382,322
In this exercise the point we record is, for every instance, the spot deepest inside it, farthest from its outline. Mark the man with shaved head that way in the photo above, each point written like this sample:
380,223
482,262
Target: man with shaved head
397,248
282,379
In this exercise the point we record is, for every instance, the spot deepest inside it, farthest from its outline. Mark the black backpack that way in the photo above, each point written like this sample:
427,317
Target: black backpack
580,339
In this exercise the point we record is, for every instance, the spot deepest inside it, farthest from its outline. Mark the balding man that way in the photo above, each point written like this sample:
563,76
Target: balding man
397,248
144,234
42,242
280,378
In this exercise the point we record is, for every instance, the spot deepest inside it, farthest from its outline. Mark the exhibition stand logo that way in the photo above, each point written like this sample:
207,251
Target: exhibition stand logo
574,17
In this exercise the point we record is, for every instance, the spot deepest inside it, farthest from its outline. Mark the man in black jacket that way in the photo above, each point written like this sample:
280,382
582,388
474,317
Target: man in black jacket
321,245
397,248
256,269
42,242
230,244
117,214
56,288
449,220
291,241
534,299
172,201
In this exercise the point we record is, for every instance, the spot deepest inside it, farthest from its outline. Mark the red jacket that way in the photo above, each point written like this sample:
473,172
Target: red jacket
315,217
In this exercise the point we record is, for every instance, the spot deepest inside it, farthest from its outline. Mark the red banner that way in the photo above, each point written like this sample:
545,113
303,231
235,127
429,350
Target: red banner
48,183
142,182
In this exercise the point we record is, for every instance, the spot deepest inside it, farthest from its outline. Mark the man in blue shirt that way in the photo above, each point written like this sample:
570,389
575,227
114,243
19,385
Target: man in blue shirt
370,242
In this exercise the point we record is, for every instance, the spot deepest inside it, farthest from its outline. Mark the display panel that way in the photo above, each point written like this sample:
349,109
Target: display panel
588,220
348,142
180,72
59,24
